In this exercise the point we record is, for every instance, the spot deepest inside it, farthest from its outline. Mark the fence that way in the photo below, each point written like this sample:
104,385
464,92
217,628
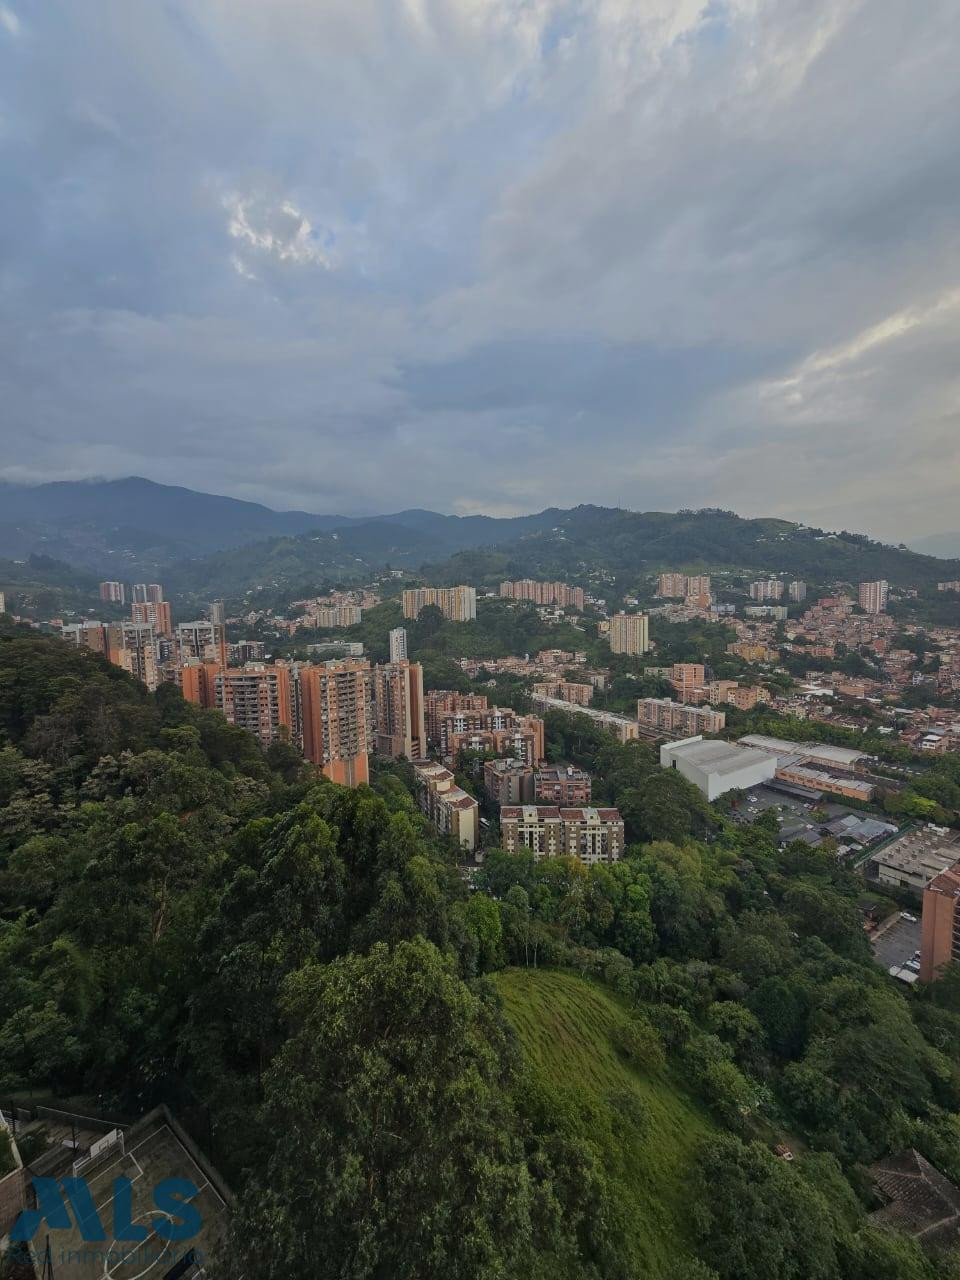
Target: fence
13,1185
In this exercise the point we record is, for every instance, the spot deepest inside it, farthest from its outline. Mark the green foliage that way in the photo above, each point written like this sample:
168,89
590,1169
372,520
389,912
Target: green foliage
757,1219
642,1125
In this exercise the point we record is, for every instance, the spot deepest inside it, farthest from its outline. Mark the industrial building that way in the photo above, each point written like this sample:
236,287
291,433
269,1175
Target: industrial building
716,767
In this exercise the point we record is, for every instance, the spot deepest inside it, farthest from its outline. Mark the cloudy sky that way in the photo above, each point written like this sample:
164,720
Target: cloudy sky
358,255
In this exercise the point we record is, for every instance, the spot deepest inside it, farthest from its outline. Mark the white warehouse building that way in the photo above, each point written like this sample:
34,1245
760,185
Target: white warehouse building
715,767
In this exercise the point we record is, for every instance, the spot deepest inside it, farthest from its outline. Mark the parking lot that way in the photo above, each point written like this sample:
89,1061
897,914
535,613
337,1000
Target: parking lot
898,943
796,815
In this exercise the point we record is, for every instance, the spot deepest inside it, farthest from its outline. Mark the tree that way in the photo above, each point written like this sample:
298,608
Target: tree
399,1156
755,1218
483,920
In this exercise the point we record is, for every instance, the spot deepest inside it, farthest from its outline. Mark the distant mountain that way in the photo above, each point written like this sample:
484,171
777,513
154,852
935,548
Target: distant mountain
102,525
198,541
557,544
946,545
134,526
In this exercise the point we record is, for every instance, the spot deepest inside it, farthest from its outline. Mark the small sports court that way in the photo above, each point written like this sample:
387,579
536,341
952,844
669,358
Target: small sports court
148,1152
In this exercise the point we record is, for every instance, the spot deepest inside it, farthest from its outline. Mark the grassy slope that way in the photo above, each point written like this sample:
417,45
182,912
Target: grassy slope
565,1024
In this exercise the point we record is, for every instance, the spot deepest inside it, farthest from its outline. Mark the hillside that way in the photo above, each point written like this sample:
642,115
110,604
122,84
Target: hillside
135,526
626,543
561,544
565,1024
43,587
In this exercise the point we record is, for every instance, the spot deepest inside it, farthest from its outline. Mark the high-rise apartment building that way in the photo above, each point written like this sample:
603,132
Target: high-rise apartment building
132,646
439,703
156,613
398,644
247,651
86,635
113,592
3,603
256,697
198,682
399,728
687,678
147,593
557,593
940,931
216,612
874,596
766,589
592,835
798,592
140,660
202,639
336,722
458,604
630,633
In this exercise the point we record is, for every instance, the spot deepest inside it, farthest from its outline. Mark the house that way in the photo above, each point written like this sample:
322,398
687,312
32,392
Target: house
920,1201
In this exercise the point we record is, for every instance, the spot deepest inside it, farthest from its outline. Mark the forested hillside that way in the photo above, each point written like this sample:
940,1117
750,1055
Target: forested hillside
375,1055
563,544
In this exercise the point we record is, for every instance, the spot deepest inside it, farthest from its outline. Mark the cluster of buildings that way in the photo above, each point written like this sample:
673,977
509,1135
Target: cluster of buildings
548,665
805,770
690,683
458,722
544,593
457,604
926,860
513,782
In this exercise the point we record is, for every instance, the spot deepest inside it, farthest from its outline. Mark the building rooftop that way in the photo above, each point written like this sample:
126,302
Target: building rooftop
926,852
558,771
845,757
920,1201
543,812
717,757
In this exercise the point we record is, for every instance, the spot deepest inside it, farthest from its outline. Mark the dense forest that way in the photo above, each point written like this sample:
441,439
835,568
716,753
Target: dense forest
301,972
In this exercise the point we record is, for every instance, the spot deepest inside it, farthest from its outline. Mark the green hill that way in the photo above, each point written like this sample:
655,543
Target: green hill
562,544
566,1026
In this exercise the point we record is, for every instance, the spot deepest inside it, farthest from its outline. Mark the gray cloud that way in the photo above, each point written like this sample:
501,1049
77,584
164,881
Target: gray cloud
487,254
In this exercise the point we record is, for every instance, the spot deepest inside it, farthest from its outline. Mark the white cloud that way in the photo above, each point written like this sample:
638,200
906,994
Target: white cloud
489,253
280,231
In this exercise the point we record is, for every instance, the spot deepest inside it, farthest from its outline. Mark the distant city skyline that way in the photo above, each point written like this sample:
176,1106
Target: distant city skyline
489,256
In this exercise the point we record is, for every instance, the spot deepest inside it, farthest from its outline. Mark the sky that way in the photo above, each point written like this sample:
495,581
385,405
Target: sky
488,255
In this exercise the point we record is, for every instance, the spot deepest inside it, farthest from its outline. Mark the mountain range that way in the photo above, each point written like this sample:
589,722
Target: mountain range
135,528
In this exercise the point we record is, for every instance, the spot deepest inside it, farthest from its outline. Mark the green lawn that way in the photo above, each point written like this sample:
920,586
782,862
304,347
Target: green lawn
565,1025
